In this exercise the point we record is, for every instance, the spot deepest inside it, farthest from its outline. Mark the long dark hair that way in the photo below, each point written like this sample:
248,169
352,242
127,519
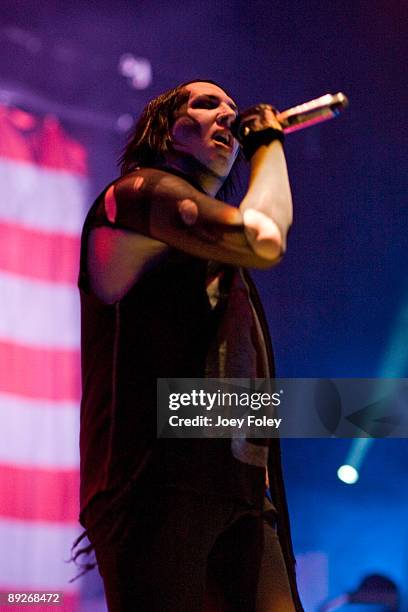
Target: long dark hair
150,139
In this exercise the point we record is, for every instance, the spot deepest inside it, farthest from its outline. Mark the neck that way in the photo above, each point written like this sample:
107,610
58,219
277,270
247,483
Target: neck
208,180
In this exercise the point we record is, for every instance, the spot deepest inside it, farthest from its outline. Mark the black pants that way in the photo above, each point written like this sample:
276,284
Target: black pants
177,551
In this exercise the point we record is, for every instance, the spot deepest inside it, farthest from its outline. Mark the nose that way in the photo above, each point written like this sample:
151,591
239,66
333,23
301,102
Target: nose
226,116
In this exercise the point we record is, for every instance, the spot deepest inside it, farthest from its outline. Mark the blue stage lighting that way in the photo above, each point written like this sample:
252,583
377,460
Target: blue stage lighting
347,474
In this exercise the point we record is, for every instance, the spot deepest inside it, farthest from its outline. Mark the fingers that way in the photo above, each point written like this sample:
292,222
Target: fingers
255,119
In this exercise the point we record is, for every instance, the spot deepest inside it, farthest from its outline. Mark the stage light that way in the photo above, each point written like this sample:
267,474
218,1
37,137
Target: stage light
394,365
137,69
347,474
124,122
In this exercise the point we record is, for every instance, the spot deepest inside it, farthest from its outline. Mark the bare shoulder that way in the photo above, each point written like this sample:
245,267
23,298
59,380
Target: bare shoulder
146,181
118,258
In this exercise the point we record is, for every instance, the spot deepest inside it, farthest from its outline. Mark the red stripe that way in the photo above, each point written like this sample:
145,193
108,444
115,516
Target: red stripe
71,601
40,372
41,142
39,495
51,257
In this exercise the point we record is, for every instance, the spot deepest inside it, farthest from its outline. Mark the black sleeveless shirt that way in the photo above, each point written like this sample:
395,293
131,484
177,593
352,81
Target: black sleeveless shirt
177,321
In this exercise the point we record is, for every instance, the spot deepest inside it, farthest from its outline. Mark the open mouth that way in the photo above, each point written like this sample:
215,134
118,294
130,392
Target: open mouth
223,138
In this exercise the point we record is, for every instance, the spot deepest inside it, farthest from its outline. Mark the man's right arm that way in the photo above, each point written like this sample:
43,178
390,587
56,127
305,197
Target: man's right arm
168,209
183,217
150,210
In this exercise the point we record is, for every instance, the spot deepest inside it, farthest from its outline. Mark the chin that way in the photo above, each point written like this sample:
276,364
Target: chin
222,170
221,164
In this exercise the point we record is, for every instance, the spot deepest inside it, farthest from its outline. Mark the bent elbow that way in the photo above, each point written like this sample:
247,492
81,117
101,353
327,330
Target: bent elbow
264,237
268,252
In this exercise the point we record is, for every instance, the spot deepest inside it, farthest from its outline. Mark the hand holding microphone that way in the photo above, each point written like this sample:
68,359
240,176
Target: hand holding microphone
261,124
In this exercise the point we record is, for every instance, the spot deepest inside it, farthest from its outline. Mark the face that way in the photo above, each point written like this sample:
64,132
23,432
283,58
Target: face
202,128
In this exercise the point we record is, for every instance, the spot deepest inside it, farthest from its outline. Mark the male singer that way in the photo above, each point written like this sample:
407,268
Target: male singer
183,525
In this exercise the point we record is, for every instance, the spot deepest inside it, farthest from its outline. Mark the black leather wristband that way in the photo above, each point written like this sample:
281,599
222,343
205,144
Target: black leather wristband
253,140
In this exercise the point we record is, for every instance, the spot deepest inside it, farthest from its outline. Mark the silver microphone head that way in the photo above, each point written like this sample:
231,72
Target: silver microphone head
307,114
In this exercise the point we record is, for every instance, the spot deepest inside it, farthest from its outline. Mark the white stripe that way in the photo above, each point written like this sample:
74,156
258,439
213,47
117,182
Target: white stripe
38,433
33,555
42,198
37,313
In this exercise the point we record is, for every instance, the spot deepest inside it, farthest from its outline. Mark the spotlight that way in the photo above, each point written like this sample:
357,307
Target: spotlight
137,69
348,474
124,122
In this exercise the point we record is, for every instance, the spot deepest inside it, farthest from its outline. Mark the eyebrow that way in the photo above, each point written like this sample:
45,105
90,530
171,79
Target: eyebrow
214,98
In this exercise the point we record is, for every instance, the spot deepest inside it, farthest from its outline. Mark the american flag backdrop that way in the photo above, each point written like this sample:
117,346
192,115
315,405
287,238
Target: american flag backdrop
43,197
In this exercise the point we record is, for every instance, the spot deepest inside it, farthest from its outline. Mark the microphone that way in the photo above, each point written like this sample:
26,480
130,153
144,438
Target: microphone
295,118
313,112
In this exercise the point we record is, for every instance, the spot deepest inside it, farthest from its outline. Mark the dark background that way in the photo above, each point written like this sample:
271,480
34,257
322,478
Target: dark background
338,303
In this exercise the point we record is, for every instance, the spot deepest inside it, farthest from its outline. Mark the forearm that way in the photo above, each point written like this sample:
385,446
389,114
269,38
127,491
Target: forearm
267,205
